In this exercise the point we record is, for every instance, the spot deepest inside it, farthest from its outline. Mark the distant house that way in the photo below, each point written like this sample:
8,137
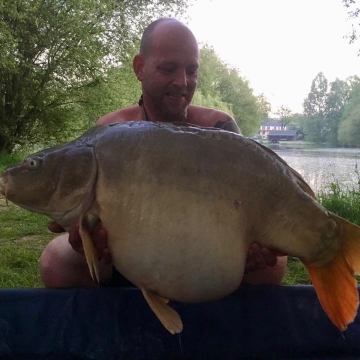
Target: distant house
268,126
285,135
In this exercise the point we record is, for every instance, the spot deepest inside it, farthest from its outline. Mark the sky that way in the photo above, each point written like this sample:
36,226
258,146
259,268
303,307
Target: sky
279,46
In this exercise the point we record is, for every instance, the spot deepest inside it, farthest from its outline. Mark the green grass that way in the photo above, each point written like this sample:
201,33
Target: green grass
343,202
295,273
23,235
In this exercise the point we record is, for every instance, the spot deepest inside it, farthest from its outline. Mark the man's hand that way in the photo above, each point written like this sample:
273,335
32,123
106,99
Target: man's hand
264,266
258,258
98,236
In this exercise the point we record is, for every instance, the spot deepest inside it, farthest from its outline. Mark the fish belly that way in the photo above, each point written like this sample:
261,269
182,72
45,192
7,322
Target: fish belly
182,245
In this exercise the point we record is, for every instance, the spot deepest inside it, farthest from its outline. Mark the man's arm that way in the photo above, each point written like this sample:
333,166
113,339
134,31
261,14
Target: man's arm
228,124
125,114
263,267
112,117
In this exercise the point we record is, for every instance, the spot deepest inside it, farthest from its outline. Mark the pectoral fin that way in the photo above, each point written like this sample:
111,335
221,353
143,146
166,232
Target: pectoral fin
89,250
167,316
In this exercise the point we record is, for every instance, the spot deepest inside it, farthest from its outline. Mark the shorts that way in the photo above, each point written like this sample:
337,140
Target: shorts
117,280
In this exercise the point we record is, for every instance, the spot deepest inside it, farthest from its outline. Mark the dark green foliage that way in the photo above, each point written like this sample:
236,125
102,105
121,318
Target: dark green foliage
58,56
314,109
316,100
349,127
324,109
7,159
221,85
336,100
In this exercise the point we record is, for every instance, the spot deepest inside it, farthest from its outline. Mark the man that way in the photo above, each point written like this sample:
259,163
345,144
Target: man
167,67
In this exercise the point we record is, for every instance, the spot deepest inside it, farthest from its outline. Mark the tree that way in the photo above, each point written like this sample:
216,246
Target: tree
349,127
211,101
210,72
53,52
117,88
353,12
349,132
315,102
336,99
284,115
264,105
236,91
314,109
296,122
218,80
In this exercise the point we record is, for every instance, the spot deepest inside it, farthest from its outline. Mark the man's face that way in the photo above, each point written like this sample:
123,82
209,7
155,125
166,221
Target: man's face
169,75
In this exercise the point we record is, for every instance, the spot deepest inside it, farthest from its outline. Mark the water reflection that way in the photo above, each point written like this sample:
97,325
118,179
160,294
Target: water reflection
322,166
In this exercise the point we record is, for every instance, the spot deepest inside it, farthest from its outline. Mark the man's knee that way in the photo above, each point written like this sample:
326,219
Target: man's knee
60,265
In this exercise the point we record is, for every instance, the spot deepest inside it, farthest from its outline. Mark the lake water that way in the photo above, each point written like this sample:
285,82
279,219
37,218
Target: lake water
322,166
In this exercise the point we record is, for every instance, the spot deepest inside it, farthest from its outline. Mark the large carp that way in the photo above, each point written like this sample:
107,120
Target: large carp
181,206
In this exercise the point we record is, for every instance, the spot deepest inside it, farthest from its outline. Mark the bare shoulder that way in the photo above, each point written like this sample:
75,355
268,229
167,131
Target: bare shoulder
125,114
208,117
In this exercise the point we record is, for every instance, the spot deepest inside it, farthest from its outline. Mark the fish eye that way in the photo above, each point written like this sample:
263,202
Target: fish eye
33,162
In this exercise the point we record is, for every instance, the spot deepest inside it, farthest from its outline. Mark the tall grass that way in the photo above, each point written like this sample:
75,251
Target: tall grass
343,202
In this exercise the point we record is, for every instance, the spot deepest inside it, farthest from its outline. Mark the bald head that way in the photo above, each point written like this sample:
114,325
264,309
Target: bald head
167,67
163,26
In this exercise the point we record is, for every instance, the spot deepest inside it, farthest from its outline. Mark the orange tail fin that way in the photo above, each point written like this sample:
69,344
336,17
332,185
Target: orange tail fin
334,282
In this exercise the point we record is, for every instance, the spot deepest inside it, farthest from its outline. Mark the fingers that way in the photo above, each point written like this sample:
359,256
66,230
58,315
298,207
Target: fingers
259,257
74,237
55,227
75,240
99,236
268,256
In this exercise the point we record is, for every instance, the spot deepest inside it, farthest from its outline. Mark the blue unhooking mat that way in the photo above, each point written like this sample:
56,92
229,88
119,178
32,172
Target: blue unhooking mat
255,322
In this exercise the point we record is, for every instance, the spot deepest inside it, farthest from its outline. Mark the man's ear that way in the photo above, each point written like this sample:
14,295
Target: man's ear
138,65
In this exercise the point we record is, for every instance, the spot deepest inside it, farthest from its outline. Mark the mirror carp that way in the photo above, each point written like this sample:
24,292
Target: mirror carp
181,205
